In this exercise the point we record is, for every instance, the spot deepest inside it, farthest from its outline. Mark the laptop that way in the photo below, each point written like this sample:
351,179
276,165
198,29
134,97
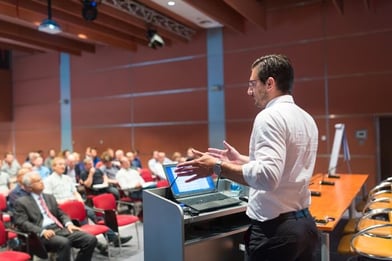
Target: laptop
200,194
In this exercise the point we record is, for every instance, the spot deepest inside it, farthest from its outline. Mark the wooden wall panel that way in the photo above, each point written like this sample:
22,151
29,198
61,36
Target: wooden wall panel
42,117
101,112
172,107
27,140
190,73
101,138
30,67
170,139
360,95
97,84
6,96
37,91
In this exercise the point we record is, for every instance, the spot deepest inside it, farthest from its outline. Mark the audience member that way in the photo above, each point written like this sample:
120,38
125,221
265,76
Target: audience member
39,213
94,156
130,179
11,166
37,161
91,177
4,182
70,168
19,190
109,168
63,189
49,158
136,161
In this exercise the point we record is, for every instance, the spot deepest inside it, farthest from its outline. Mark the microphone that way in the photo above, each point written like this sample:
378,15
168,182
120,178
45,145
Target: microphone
326,182
333,176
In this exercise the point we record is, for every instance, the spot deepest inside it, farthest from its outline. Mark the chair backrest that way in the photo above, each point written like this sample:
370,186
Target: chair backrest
3,235
75,210
146,175
3,202
162,183
105,201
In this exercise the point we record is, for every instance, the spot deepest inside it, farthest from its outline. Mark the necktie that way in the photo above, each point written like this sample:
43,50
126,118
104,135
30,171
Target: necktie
50,215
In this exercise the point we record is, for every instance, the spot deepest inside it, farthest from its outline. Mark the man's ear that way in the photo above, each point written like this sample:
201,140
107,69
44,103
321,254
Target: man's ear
270,82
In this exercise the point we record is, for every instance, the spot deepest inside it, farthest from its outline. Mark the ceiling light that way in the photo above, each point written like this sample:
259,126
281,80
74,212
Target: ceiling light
171,3
155,40
48,25
89,10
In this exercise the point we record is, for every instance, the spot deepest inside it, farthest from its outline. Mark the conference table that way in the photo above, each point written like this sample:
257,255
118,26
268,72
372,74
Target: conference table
333,202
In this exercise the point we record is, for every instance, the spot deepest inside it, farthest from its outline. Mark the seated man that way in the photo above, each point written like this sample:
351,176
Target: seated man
63,189
18,190
95,180
130,179
39,213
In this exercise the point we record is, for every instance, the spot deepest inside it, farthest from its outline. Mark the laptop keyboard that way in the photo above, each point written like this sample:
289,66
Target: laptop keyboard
204,198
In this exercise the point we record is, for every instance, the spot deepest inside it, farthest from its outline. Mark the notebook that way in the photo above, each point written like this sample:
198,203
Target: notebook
200,194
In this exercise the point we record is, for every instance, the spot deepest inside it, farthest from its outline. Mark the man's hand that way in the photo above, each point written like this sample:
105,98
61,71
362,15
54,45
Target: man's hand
71,228
48,233
228,154
200,167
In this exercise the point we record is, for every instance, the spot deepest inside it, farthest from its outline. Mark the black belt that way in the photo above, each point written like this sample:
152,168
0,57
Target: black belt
303,213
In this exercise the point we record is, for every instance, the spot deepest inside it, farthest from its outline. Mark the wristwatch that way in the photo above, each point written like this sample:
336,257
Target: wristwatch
218,168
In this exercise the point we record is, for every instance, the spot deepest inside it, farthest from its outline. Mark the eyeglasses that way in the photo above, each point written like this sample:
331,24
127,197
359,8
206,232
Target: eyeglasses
252,83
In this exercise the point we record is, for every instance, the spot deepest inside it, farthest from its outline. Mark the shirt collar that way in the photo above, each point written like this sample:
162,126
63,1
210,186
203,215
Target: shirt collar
281,99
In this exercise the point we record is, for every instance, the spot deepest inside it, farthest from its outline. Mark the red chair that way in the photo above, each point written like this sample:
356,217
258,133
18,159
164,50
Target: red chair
163,183
146,175
3,206
10,255
106,203
77,212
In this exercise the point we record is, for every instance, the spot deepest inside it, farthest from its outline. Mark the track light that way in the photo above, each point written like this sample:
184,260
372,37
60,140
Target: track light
48,25
89,10
155,40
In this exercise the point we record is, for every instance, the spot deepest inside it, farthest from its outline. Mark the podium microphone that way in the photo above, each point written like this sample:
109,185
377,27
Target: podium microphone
333,176
326,182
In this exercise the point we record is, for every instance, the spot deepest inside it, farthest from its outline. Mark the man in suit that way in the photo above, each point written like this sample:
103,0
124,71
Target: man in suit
39,213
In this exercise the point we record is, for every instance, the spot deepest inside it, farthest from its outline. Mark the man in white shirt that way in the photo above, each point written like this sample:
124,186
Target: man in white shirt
129,179
282,155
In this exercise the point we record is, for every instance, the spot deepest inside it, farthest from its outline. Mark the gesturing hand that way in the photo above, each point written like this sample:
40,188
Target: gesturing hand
201,166
228,154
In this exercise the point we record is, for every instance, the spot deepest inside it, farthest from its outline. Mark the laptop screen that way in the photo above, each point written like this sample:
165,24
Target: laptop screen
180,188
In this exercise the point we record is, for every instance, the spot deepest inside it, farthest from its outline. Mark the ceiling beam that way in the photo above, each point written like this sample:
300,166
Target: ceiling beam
75,24
220,12
339,4
8,45
168,28
32,35
254,11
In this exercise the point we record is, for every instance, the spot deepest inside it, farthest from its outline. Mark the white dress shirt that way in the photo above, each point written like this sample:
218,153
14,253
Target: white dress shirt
282,154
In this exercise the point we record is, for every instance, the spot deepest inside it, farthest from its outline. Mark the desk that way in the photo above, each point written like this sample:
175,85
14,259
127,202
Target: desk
333,202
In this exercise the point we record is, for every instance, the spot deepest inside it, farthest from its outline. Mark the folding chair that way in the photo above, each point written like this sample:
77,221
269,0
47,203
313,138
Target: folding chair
10,255
106,204
77,212
6,218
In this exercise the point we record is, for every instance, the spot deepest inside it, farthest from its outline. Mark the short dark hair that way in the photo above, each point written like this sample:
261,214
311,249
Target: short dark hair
278,67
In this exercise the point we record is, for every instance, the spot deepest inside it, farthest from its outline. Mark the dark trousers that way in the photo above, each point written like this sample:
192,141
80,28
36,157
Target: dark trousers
63,241
292,236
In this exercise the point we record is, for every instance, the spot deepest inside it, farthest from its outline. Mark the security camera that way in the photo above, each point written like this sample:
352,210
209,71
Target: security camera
155,40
